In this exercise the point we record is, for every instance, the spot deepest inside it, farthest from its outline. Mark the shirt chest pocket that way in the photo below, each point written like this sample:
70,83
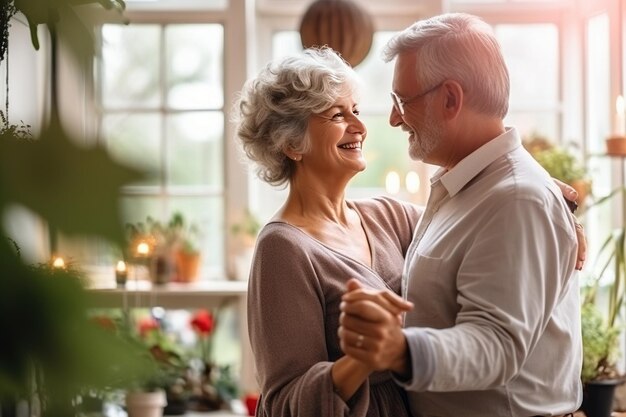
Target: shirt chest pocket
432,288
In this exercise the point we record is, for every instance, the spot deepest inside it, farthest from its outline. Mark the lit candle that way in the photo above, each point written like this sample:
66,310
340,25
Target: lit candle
143,249
58,262
121,273
620,122
392,182
412,182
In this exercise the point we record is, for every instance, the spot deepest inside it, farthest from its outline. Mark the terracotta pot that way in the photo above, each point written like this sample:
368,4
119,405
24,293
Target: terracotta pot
582,187
187,266
616,145
145,404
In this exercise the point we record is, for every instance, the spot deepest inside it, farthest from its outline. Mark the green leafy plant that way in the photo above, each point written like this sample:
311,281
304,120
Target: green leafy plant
602,327
183,235
52,349
176,234
600,345
559,161
248,227
19,131
75,33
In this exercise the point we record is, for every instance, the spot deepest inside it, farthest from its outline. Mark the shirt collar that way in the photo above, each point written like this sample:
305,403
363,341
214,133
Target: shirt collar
470,166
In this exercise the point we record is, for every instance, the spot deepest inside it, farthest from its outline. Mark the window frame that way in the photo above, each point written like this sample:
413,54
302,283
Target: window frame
235,184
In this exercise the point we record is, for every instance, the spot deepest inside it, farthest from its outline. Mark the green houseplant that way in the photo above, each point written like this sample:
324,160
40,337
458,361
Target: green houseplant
174,244
560,163
187,253
599,374
244,232
247,229
601,328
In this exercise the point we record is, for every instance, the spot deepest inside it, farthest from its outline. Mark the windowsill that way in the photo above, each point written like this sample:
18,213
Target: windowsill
142,293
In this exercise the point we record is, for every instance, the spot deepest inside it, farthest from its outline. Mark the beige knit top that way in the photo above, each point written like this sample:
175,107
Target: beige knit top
294,293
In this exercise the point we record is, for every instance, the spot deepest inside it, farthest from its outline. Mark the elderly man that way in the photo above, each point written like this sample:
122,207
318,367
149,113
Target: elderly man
495,329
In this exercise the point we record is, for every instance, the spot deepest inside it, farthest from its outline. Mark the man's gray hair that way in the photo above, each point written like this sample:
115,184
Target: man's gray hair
460,47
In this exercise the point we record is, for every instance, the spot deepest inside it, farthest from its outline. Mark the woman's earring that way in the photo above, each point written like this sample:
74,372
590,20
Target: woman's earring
297,158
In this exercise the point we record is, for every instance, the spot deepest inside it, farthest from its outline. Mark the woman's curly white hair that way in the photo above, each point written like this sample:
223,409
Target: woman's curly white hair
274,108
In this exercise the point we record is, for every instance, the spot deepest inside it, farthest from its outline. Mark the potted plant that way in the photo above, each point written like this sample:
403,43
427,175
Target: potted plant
148,244
245,233
184,238
600,353
247,229
162,384
560,163
600,331
213,387
171,248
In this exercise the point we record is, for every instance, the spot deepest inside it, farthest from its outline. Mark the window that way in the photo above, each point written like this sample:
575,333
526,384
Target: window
162,108
531,52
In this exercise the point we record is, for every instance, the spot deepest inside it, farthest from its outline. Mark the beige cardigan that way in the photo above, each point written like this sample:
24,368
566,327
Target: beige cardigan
293,312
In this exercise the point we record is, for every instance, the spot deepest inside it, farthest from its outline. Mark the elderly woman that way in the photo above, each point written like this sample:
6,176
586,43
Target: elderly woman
299,122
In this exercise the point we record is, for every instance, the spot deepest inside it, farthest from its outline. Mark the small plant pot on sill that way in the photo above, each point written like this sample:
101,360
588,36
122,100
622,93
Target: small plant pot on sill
145,404
616,145
187,266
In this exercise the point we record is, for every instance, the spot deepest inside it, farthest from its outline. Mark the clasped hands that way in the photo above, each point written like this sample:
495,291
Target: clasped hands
370,328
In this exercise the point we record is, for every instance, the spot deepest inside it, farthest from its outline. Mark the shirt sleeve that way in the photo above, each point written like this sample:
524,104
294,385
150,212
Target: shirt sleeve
287,332
509,282
423,363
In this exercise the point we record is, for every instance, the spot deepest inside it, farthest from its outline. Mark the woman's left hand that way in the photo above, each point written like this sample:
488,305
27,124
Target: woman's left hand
570,194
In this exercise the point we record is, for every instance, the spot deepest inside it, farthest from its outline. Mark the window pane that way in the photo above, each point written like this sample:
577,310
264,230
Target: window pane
195,66
531,52
195,155
130,66
137,208
598,88
135,139
598,111
377,76
543,123
285,43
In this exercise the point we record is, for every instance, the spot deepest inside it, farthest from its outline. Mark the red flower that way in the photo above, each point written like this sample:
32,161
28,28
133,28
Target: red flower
146,325
203,323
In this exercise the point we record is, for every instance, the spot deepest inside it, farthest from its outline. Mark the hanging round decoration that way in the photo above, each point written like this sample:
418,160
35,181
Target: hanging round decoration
342,25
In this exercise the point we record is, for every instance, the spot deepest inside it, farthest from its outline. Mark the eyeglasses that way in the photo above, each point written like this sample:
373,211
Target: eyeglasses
399,104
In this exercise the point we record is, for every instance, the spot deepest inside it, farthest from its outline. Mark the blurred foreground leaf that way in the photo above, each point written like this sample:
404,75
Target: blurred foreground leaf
75,189
75,34
45,331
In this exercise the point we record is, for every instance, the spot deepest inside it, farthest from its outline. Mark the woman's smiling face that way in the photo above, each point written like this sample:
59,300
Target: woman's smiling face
336,136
